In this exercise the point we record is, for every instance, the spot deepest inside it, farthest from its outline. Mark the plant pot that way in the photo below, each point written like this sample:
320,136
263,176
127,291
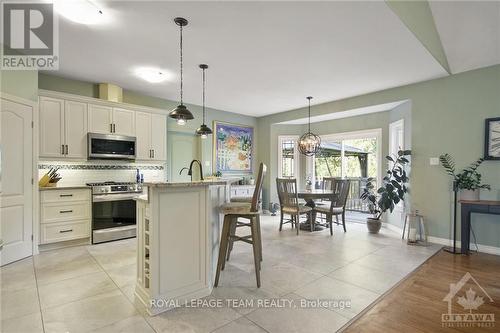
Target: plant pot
469,195
373,225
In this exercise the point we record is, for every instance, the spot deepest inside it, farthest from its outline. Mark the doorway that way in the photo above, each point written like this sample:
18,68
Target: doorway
182,149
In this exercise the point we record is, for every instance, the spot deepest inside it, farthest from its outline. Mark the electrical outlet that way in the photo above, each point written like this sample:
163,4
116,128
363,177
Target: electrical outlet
434,161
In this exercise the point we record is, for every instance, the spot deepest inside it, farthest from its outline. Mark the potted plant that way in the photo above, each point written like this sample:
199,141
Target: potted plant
392,191
468,181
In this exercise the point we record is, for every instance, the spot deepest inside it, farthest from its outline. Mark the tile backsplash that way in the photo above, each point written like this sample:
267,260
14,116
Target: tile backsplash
76,173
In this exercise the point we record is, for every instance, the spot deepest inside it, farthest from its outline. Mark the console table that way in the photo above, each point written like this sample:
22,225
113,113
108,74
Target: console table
468,207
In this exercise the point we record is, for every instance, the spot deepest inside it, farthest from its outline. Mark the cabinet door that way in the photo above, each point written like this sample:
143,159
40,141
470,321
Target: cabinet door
100,119
143,135
75,124
124,121
51,127
159,136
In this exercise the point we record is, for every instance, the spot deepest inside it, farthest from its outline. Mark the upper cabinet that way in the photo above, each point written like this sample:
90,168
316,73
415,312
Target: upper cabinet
63,128
100,119
65,122
108,120
151,134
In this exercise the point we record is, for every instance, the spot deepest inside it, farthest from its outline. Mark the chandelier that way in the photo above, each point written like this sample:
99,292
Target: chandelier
309,143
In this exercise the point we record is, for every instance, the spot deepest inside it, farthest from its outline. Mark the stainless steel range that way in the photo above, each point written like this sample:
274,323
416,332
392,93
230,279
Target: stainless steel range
113,210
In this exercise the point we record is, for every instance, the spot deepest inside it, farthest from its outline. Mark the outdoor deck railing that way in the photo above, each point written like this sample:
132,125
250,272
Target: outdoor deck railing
354,203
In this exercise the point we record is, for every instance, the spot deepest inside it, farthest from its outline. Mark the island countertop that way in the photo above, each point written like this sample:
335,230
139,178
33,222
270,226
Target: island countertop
207,182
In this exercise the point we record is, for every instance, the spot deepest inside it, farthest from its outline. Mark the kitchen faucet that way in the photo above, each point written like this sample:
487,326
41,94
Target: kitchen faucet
190,172
185,168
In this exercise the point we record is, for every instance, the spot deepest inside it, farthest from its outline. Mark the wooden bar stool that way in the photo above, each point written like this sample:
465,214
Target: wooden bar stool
248,211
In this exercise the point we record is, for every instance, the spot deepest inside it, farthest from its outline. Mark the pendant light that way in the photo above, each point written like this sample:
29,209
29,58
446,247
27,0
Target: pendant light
181,113
203,131
309,143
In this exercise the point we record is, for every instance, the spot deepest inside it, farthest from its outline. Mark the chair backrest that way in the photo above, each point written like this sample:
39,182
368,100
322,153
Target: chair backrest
340,189
258,187
328,183
287,192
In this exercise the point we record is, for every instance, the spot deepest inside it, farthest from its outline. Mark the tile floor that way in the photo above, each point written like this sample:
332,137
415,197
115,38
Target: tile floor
91,288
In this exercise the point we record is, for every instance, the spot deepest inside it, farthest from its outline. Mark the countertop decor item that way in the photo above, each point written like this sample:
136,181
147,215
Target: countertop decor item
391,192
309,143
492,139
181,113
233,148
50,179
203,131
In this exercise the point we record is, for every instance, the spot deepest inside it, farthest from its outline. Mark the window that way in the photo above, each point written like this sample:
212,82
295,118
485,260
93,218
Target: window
288,161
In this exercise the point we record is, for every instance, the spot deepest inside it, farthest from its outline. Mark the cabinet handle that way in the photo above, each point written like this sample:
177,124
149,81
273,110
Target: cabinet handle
67,150
65,195
111,128
153,152
65,211
67,230
114,128
62,149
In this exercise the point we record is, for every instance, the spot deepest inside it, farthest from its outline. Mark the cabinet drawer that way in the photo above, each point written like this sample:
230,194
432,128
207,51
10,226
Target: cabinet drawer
65,195
65,212
57,232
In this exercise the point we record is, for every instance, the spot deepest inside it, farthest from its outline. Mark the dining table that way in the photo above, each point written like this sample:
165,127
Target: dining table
310,196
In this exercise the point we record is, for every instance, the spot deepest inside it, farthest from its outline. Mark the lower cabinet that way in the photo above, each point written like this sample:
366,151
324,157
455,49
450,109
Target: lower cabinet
65,214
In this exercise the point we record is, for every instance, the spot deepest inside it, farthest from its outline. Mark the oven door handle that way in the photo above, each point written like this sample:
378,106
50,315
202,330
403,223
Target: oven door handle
113,197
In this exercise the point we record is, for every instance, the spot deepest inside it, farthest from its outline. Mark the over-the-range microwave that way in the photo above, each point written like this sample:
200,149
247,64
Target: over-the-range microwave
111,146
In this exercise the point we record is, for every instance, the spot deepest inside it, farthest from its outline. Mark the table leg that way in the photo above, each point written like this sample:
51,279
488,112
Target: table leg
465,229
307,226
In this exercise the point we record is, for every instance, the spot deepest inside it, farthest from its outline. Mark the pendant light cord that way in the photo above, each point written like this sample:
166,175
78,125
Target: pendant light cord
309,115
181,62
203,96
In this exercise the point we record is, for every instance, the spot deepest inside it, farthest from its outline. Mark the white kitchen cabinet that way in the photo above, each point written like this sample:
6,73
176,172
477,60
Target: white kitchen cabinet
63,128
143,135
65,214
159,137
151,134
75,129
100,119
51,127
123,122
109,120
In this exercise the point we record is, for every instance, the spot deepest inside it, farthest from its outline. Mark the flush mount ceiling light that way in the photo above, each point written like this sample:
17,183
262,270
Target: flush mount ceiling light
203,131
309,143
81,11
152,75
181,113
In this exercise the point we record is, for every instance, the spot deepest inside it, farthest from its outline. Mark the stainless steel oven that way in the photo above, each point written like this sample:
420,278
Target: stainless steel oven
113,211
111,146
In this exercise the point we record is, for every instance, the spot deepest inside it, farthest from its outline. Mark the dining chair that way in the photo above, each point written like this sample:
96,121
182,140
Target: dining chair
289,202
248,211
338,199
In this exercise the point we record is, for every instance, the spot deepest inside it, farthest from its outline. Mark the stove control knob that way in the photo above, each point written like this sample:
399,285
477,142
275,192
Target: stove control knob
131,188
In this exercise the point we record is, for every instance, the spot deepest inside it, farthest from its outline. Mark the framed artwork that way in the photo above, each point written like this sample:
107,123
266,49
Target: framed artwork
233,148
492,139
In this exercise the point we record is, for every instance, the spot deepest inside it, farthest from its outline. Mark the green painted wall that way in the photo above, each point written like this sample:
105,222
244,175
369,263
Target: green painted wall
447,116
50,82
20,83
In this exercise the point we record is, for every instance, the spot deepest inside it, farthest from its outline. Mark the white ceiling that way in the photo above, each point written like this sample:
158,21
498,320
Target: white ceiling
345,114
469,32
263,57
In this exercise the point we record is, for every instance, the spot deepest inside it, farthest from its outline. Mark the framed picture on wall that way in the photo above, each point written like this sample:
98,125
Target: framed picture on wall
233,148
492,139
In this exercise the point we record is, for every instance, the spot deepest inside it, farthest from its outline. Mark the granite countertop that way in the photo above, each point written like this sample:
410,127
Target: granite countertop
64,187
206,182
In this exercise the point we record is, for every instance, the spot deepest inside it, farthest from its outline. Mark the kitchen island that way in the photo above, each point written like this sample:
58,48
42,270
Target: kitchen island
178,228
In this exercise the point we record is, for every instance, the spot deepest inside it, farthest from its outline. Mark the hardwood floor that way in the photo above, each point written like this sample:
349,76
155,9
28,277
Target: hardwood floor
417,304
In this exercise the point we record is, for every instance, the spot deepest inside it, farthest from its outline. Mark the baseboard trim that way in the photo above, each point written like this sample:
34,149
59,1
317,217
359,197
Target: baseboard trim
448,242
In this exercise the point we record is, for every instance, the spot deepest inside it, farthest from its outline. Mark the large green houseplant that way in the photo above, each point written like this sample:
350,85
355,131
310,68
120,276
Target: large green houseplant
393,190
468,181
